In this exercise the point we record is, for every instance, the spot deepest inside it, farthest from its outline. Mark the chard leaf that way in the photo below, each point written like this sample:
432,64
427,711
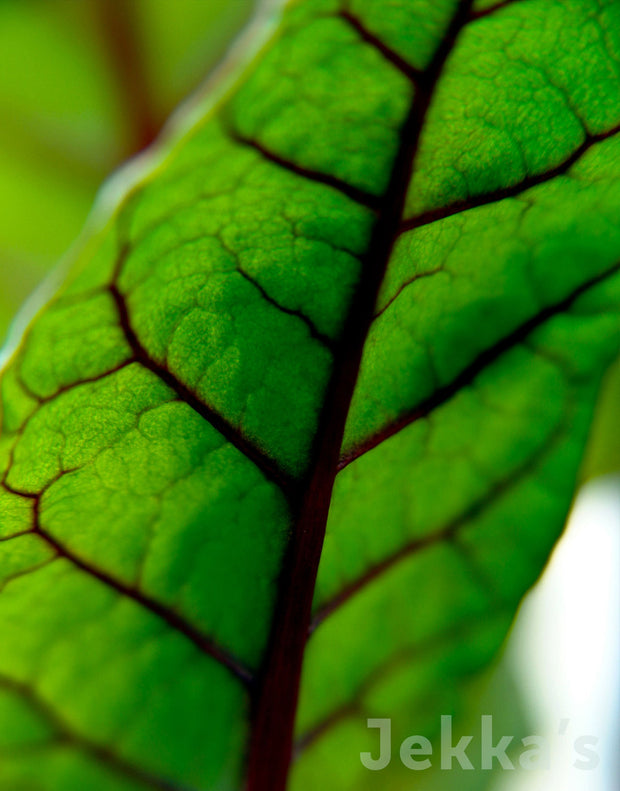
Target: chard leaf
316,394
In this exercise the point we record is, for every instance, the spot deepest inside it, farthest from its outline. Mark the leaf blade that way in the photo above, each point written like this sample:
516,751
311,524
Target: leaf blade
246,275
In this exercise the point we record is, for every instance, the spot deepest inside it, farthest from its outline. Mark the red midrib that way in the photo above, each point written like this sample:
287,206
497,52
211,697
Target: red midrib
277,688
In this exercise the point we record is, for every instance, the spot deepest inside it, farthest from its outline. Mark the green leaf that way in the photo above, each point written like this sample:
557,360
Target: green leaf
317,392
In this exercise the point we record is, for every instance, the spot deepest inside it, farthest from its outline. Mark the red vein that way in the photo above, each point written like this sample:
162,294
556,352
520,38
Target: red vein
264,462
403,655
434,215
65,735
42,400
409,282
315,333
475,15
479,364
204,644
448,533
351,191
388,53
276,702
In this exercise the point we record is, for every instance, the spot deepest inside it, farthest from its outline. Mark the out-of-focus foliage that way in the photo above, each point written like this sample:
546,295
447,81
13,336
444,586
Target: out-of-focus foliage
84,84
603,455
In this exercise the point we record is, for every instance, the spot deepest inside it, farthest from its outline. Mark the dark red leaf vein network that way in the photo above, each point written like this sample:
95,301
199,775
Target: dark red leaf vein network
486,198
65,736
204,644
278,687
275,691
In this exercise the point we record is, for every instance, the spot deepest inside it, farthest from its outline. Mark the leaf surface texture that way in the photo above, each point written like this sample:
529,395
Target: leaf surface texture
351,325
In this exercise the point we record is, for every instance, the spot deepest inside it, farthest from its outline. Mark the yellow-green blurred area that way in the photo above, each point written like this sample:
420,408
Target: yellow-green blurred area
84,84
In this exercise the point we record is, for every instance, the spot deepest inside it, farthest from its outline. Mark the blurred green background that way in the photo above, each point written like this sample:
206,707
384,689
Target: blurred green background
84,85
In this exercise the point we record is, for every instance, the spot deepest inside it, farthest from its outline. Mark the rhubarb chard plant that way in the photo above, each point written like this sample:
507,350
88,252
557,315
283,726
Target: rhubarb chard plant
291,437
